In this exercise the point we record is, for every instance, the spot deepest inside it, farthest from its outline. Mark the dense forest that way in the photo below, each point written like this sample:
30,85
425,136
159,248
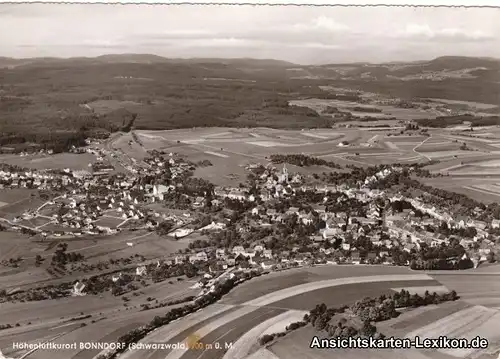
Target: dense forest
58,103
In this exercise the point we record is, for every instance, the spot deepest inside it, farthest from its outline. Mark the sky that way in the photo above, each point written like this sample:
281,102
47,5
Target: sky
303,35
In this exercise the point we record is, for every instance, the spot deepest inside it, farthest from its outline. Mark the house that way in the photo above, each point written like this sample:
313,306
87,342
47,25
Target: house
258,248
237,195
307,219
220,253
461,221
238,250
318,238
78,289
231,262
267,253
202,256
495,223
266,265
199,202
179,259
320,209
217,267
355,257
159,191
198,257
140,271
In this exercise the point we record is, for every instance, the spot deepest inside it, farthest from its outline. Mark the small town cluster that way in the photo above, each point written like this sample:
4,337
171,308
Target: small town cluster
273,221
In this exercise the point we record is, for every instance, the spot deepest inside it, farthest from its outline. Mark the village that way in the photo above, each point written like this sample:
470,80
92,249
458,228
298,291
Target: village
273,222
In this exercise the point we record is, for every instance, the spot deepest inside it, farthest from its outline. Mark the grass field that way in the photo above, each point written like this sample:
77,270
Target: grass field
17,200
13,245
56,161
273,295
293,277
112,319
466,323
478,289
296,345
419,317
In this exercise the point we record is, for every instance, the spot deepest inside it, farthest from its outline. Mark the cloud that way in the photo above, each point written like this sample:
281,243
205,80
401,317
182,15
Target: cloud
220,42
424,31
316,45
322,23
100,43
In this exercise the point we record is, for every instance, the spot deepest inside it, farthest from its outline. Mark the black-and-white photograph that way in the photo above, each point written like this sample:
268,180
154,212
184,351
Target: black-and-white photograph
249,182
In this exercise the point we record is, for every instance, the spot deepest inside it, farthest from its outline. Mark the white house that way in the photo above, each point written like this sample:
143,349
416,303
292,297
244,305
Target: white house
238,250
159,191
267,253
140,271
267,265
78,289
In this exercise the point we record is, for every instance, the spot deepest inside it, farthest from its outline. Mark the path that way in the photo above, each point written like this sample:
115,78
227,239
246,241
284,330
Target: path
420,144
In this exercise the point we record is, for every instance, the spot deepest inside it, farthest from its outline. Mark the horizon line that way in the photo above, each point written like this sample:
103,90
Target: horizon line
243,58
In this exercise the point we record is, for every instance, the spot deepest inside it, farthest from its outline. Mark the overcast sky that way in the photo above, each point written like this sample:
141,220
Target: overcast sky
304,35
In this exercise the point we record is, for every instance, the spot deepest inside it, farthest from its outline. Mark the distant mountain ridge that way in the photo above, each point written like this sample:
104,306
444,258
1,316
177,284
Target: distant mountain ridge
439,63
140,59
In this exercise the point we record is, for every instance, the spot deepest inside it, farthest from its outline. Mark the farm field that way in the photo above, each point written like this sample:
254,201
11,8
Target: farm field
320,105
419,317
268,306
477,288
13,245
265,302
56,161
111,318
230,150
95,250
17,201
293,277
466,323
296,345
279,293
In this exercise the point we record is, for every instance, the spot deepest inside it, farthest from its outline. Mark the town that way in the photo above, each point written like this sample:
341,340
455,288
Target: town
274,221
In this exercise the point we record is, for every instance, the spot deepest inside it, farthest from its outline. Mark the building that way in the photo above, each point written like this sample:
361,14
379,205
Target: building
140,271
78,289
159,191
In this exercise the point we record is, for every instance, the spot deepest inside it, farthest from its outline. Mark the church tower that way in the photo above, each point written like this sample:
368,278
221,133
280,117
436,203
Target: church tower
285,173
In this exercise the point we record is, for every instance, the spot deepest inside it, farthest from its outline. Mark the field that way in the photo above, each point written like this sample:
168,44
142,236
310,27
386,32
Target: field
452,319
480,288
95,250
251,310
276,299
297,345
13,245
111,319
267,303
16,201
57,161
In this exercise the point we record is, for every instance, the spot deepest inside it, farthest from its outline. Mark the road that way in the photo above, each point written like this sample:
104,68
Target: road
420,144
